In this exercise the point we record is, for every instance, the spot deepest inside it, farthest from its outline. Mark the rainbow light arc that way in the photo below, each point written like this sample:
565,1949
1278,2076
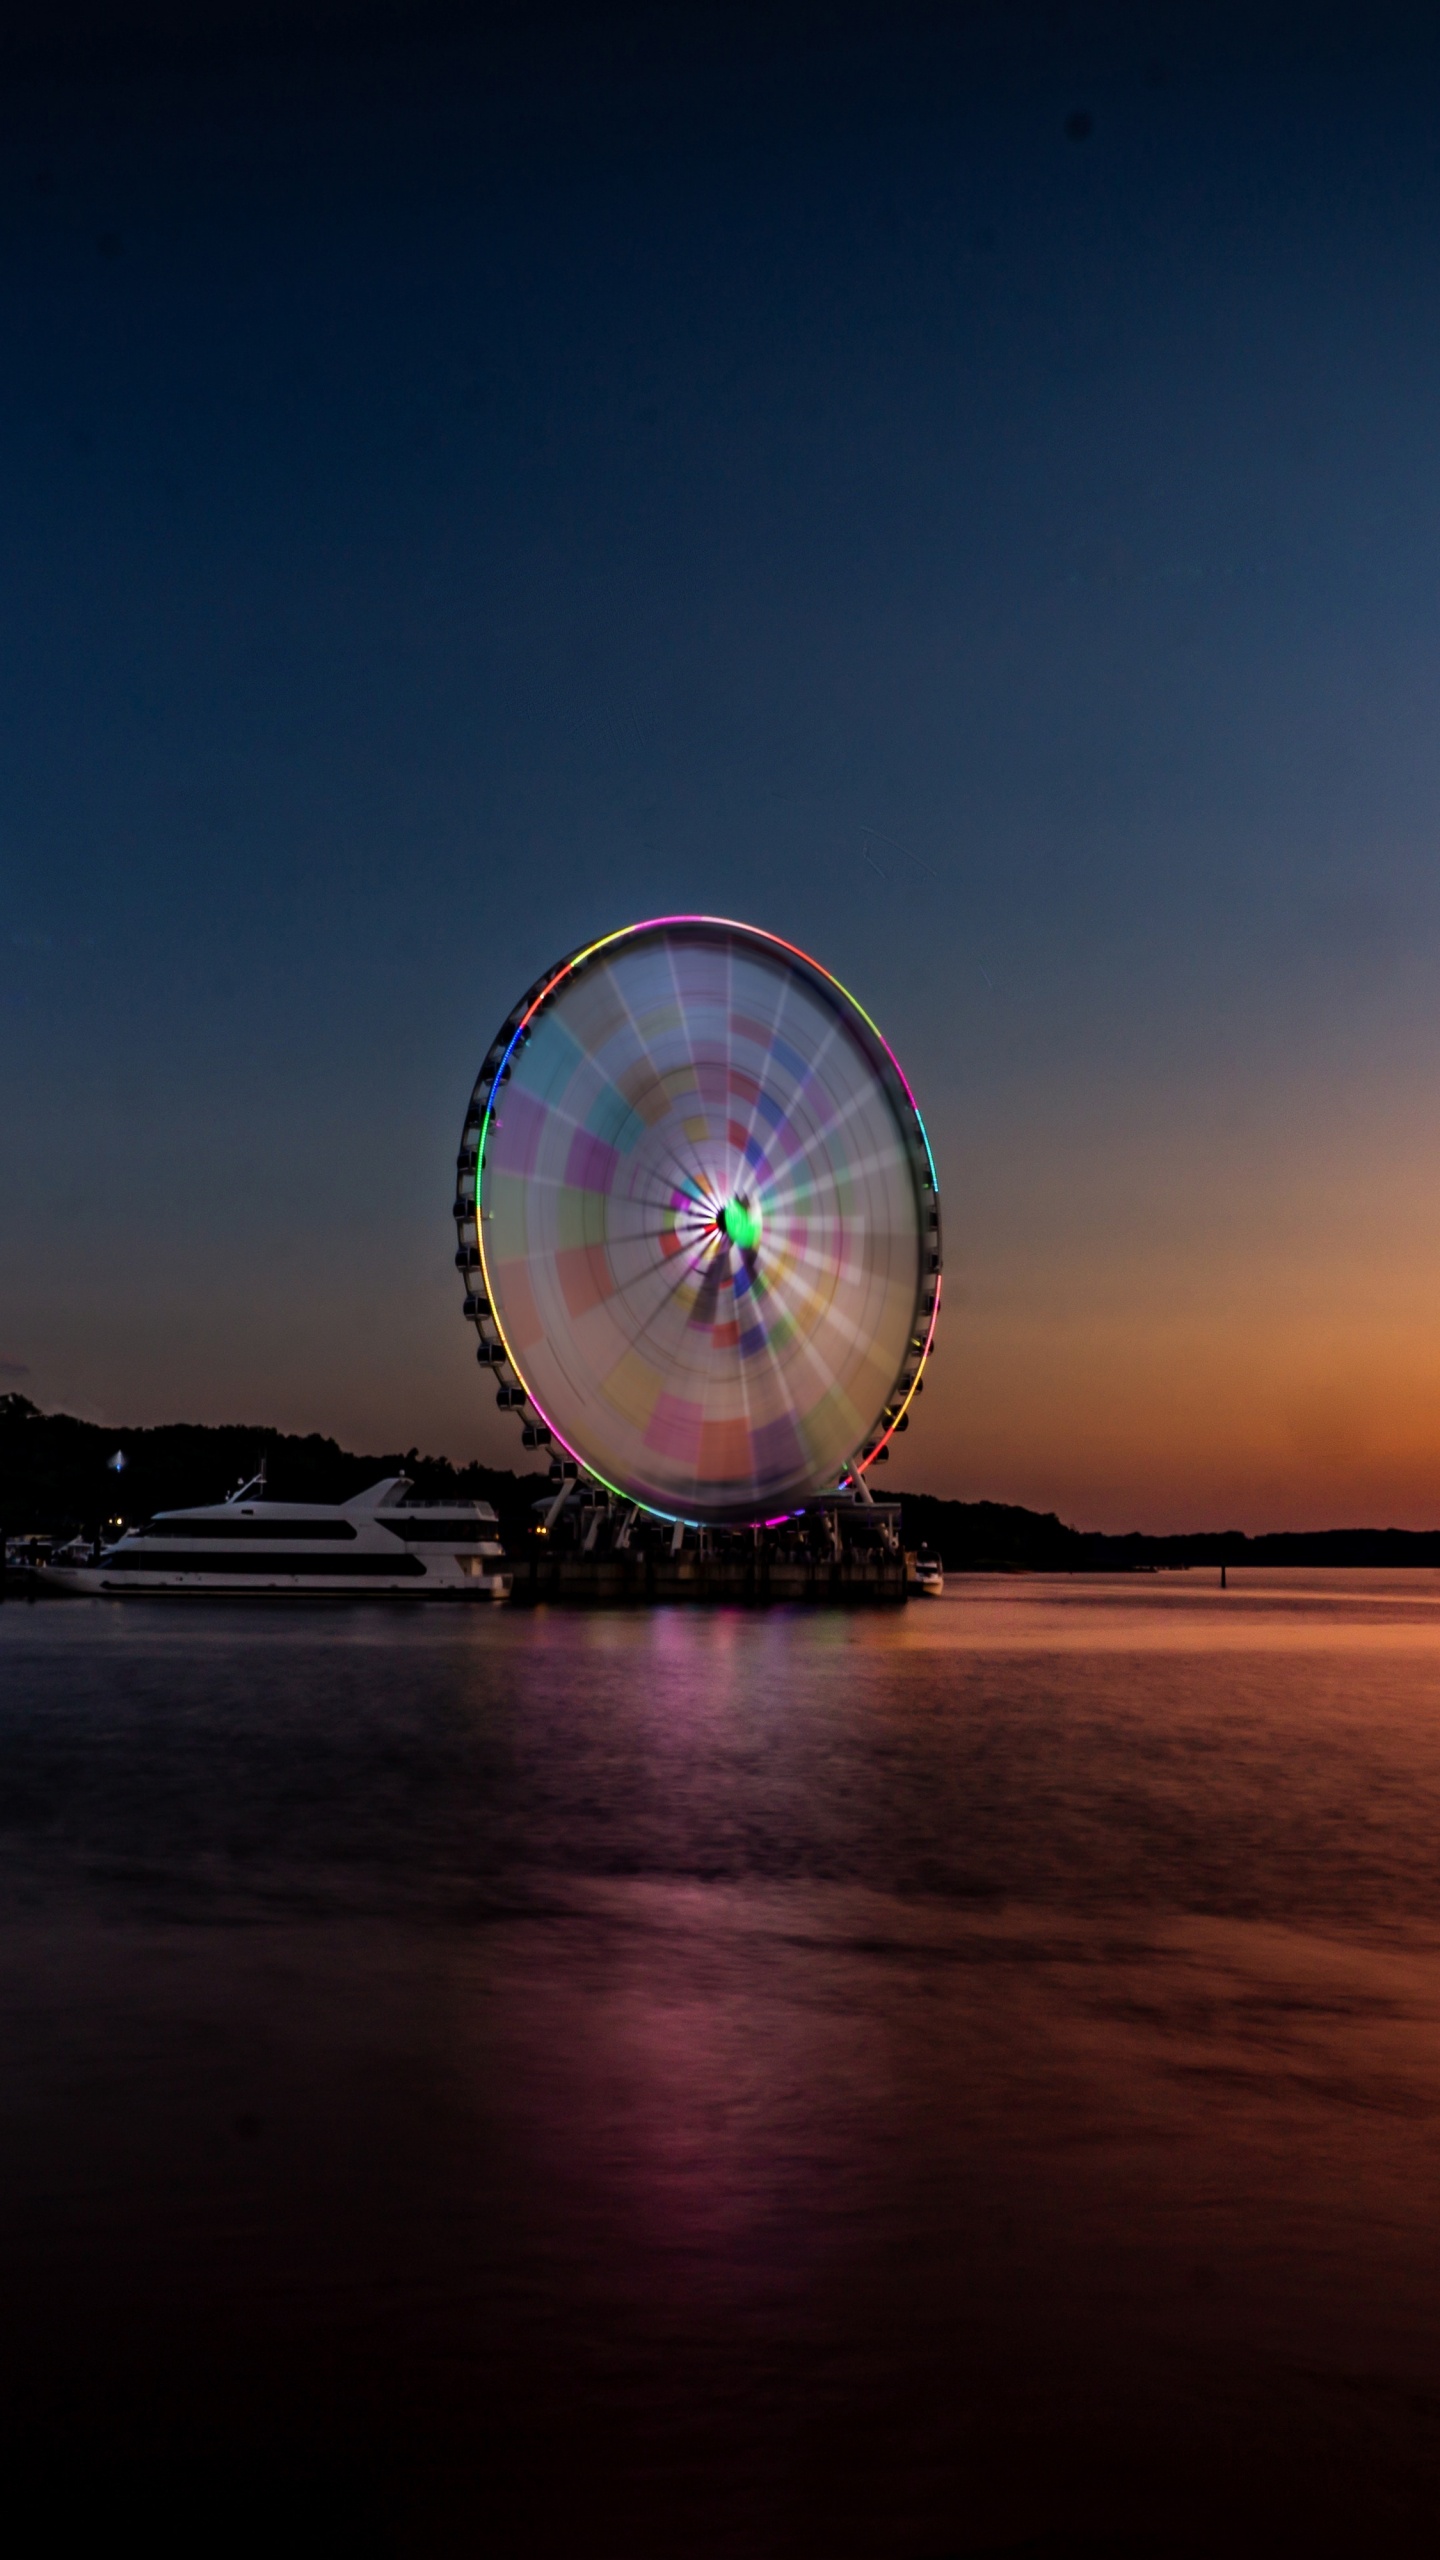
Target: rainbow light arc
567,969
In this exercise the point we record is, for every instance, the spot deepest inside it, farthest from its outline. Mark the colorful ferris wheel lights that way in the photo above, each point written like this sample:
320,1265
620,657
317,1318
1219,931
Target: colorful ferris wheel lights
706,1216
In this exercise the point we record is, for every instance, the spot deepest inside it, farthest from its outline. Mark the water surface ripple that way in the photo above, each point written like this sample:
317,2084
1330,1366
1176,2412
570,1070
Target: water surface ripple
699,2082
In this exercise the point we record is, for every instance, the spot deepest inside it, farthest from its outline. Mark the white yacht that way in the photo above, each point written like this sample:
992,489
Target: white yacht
382,1544
926,1575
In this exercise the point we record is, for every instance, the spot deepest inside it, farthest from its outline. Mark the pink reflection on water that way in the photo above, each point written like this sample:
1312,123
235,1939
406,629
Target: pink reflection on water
732,2082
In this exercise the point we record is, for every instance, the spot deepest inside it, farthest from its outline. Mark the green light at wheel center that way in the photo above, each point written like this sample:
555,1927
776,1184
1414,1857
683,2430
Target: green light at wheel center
741,1223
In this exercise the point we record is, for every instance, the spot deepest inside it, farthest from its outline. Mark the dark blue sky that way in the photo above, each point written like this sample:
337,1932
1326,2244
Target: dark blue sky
958,490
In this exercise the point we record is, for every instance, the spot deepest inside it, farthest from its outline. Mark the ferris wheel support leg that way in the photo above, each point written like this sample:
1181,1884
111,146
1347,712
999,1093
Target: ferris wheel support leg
556,1507
677,1537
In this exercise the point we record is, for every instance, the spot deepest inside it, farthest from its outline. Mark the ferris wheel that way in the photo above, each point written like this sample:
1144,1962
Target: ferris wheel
699,1222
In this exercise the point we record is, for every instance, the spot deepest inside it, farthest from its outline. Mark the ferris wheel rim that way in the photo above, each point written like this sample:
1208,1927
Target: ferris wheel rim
929,1280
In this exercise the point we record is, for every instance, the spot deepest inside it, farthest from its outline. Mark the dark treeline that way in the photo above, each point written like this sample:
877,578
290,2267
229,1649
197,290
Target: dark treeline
55,1472
968,1536
55,1475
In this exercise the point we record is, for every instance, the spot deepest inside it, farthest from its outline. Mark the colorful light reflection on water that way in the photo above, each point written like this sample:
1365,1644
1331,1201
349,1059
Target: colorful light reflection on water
712,2082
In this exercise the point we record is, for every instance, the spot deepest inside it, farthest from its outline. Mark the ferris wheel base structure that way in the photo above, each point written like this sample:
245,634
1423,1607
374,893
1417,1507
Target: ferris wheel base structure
698,1227
825,1566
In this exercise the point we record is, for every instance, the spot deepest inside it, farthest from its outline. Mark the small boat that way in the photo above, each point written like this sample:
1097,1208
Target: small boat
21,1557
384,1543
926,1576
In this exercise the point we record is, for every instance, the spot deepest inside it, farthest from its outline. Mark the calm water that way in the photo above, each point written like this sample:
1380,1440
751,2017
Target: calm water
701,2083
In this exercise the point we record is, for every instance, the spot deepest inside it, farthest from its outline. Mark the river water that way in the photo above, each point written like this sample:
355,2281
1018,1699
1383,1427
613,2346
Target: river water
703,2083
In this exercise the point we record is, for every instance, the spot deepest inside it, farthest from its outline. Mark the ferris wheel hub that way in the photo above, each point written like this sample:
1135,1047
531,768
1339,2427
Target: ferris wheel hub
739,1222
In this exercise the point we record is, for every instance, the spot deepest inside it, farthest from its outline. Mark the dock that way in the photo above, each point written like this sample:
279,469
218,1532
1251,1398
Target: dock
598,1553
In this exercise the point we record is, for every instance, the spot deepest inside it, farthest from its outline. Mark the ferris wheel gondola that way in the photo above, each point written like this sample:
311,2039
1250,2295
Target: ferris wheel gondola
699,1222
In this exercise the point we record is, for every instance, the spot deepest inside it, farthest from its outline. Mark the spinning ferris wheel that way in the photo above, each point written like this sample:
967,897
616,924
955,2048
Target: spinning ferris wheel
699,1222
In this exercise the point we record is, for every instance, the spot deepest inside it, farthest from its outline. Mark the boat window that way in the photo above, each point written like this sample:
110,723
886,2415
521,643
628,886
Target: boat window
378,1566
244,1526
463,1532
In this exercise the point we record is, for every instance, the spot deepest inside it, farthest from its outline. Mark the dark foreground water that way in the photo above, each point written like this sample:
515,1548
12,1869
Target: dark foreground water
704,2084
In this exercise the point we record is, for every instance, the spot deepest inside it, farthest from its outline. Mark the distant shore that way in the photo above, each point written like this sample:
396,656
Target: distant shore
56,1474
